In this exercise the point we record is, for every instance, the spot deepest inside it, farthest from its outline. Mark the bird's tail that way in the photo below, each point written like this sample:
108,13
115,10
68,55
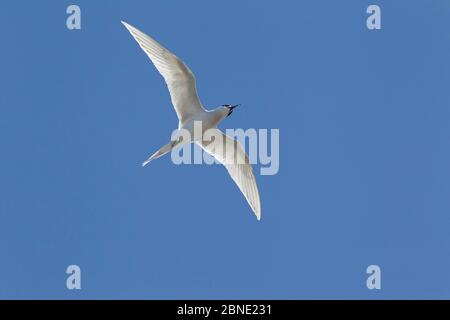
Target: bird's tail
166,148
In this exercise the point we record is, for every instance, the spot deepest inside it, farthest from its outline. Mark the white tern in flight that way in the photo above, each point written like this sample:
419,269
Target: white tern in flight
181,84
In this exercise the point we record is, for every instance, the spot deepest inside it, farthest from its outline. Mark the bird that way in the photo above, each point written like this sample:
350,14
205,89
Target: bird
183,93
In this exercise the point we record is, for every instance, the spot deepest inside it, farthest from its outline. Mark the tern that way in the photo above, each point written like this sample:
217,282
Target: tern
183,92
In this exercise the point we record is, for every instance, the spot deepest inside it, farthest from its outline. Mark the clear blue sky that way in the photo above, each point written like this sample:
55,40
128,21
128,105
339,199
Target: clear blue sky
364,151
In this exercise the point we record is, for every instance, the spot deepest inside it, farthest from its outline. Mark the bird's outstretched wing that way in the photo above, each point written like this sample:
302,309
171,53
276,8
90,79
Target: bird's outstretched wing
179,78
232,155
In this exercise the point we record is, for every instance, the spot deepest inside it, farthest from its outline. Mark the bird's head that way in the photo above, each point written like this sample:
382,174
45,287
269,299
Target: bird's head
229,108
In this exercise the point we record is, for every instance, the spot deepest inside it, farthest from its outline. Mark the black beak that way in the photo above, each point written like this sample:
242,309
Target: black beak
230,109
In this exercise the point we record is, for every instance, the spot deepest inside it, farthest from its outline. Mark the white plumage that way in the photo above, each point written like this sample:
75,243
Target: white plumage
183,92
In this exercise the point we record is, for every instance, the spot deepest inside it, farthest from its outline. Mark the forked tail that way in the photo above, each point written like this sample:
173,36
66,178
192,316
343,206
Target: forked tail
166,148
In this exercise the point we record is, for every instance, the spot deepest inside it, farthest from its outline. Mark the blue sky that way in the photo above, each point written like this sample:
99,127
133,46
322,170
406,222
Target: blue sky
364,155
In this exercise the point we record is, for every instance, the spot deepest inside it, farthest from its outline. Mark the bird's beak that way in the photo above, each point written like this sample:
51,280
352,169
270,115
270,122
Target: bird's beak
230,109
